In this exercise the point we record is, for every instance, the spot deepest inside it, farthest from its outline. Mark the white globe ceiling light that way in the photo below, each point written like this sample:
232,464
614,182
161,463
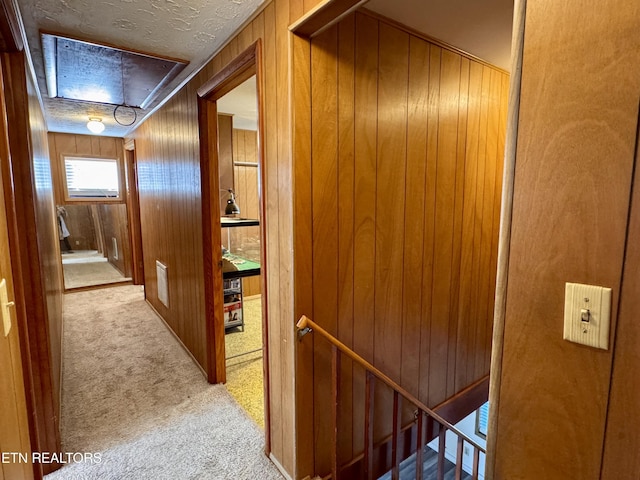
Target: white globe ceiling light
95,125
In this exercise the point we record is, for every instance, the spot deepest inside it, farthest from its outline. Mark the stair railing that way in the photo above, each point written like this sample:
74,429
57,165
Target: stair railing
372,374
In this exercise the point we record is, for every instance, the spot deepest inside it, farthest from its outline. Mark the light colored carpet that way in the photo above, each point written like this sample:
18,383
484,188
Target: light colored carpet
82,256
133,394
244,373
87,268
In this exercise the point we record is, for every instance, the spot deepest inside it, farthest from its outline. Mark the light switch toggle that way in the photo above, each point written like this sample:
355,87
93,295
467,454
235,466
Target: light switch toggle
586,314
5,305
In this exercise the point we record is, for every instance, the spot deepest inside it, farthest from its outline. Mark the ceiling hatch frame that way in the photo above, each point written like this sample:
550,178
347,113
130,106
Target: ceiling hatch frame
82,70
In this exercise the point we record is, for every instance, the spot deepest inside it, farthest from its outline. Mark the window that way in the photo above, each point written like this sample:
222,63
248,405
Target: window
91,178
482,419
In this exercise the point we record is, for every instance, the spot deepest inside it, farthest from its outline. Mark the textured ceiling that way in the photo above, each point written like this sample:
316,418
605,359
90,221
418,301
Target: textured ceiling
242,103
191,30
482,28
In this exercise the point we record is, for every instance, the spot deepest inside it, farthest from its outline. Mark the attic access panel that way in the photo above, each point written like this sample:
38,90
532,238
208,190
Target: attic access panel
80,70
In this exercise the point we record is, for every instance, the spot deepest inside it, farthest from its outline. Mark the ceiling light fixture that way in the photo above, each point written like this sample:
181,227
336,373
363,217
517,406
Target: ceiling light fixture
95,125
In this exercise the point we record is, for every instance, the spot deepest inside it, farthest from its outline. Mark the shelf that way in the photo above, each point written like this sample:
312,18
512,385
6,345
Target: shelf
245,268
229,222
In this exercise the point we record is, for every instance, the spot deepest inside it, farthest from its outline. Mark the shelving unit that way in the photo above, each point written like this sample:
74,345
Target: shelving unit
235,267
233,314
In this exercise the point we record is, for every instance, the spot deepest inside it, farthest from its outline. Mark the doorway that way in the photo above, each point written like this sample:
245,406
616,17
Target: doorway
230,120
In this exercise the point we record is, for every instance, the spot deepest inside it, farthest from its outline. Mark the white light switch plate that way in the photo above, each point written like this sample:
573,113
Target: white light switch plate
595,332
4,307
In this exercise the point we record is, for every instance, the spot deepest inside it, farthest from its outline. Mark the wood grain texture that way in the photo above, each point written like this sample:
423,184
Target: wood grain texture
29,199
14,415
167,147
226,155
303,266
246,186
572,122
404,172
133,212
115,229
70,144
623,416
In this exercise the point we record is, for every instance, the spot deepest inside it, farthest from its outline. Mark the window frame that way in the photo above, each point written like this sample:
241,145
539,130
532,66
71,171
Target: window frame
120,198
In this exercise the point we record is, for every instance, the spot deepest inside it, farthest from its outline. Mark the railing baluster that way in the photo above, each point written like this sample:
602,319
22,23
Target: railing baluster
459,458
395,460
427,418
476,463
442,435
370,383
335,371
420,446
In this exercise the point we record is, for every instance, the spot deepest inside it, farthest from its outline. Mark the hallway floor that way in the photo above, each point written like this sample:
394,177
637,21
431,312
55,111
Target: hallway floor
84,268
132,394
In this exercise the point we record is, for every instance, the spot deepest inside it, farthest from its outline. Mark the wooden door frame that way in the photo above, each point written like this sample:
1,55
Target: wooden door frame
133,212
504,242
240,69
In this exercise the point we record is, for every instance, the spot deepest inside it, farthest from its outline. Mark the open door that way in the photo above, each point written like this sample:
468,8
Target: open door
214,146
133,211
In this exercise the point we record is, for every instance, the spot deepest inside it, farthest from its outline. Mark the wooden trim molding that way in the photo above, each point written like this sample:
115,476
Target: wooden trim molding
10,31
245,65
430,39
504,242
324,16
471,398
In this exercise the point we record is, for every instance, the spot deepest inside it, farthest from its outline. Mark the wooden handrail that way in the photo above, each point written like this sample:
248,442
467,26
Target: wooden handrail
306,322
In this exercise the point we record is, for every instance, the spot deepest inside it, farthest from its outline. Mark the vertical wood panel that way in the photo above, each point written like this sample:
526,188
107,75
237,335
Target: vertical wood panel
270,194
345,197
621,437
366,103
14,424
415,127
393,68
390,201
30,200
466,310
457,225
71,144
414,208
428,256
303,244
445,199
577,126
324,155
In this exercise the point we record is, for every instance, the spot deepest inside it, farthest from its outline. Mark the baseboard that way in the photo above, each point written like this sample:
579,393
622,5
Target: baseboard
96,287
280,468
178,339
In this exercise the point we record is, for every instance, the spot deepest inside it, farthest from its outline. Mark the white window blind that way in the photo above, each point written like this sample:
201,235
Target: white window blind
482,420
92,177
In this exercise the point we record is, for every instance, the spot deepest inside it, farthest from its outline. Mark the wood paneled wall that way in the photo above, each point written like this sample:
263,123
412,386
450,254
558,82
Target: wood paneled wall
113,218
576,155
71,144
112,215
245,149
14,424
168,161
80,224
225,156
403,191
35,264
